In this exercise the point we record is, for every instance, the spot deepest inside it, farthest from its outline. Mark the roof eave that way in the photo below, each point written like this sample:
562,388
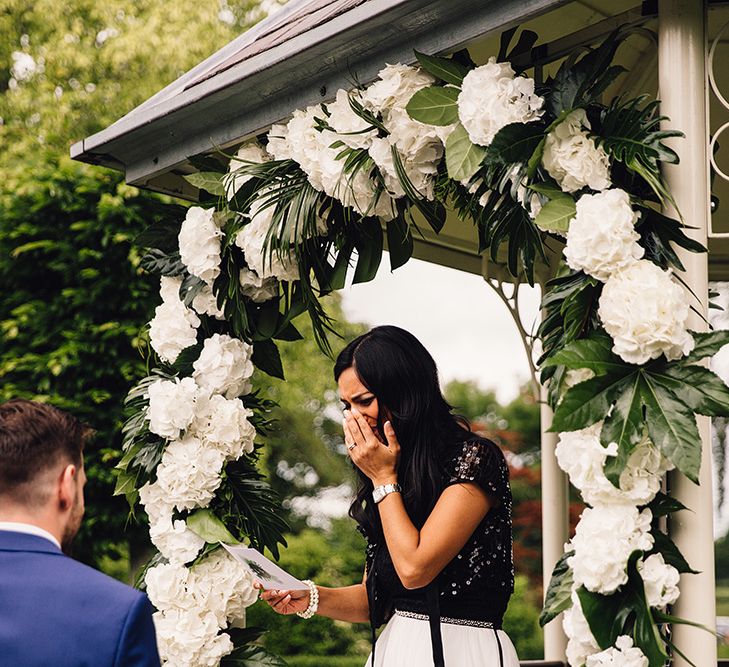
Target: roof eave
152,144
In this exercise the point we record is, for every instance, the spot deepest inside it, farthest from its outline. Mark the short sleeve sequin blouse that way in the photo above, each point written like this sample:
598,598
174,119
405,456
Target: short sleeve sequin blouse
477,583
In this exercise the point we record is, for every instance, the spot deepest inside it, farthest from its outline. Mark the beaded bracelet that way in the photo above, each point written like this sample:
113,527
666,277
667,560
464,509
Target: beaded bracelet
313,600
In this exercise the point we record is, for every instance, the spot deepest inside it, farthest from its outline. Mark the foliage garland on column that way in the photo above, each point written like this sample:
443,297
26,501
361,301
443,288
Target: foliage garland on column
535,166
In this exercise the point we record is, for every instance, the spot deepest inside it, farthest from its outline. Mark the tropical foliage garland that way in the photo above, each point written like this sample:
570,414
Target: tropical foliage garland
535,166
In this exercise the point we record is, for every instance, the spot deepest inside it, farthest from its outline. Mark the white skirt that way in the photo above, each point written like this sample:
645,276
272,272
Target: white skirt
405,642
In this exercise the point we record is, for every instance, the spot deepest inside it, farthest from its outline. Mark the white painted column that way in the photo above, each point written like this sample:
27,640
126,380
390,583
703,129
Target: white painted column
555,526
683,94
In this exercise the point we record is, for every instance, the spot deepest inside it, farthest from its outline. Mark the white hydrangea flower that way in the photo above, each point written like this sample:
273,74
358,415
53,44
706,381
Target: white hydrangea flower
223,422
251,240
199,240
394,87
220,585
156,504
174,540
572,158
189,472
604,539
174,326
581,455
247,153
278,142
167,586
255,288
646,314
623,654
189,638
312,150
420,146
492,97
224,366
580,641
420,168
601,238
171,406
206,303
660,581
352,130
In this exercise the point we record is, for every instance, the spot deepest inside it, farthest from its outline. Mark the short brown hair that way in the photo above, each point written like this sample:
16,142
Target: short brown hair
33,438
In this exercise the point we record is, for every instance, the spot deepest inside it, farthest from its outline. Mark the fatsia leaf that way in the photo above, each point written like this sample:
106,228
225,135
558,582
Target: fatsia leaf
557,598
445,69
664,545
603,615
434,105
624,426
267,358
210,181
515,142
209,527
663,505
588,402
556,214
672,428
594,352
463,157
707,344
699,388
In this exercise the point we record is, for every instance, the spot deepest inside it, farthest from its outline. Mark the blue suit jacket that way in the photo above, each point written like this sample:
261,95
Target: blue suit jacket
57,612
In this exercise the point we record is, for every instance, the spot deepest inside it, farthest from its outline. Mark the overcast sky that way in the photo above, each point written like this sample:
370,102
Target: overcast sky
456,315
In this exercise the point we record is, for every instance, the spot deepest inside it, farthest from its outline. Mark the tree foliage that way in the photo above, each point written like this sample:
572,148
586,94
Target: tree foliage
74,299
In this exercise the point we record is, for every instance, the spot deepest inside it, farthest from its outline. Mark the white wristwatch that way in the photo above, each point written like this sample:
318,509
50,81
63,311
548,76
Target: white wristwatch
379,492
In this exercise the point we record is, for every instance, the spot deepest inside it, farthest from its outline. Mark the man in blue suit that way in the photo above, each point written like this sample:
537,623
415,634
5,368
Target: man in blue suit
54,611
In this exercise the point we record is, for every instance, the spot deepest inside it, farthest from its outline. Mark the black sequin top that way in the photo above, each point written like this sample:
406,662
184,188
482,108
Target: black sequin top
477,583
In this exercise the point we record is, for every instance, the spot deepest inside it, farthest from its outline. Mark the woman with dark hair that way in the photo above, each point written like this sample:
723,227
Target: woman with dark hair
435,506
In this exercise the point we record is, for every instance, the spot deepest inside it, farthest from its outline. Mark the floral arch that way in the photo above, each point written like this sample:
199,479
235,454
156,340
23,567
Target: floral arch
538,167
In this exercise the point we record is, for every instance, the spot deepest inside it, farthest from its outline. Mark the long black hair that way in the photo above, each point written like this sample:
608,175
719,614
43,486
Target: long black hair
399,371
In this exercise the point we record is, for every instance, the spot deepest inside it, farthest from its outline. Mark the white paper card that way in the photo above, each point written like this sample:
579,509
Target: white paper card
264,570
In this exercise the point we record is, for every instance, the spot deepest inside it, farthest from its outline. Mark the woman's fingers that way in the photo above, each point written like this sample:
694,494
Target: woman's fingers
359,423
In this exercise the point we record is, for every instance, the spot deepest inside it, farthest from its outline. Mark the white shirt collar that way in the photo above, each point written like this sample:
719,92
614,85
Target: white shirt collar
29,529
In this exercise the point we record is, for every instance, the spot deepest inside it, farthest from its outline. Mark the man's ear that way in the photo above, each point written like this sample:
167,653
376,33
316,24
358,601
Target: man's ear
67,488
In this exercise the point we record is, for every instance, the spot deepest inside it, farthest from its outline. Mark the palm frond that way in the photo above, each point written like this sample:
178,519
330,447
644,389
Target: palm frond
630,132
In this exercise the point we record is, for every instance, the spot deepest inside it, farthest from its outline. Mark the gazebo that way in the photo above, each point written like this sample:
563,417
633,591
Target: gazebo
309,49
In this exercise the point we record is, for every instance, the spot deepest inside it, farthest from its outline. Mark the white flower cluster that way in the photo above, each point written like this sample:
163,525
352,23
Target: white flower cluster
581,455
571,157
491,97
646,314
623,654
171,406
604,538
194,605
301,141
580,641
418,146
660,581
250,153
199,240
174,325
224,366
267,267
601,238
